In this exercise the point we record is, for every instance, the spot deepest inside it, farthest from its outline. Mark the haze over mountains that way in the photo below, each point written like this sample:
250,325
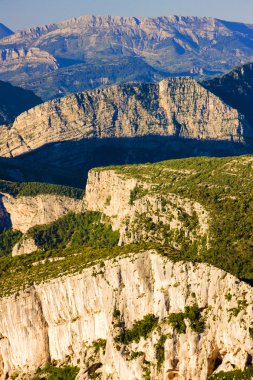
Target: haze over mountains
43,59
142,275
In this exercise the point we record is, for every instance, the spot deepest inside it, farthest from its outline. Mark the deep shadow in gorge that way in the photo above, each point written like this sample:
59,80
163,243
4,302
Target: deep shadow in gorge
69,162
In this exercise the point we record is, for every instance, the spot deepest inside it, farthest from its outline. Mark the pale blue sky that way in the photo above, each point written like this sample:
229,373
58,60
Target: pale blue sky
19,14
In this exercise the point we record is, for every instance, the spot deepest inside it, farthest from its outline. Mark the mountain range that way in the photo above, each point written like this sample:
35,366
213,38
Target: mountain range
60,140
140,271
44,59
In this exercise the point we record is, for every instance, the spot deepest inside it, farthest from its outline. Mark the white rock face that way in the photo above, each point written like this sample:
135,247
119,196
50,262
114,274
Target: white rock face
26,212
24,247
175,107
60,319
109,193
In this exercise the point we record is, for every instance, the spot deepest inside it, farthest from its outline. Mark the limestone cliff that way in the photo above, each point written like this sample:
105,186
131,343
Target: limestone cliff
175,107
62,319
24,212
132,217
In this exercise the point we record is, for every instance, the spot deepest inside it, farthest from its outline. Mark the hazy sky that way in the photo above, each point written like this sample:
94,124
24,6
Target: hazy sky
19,14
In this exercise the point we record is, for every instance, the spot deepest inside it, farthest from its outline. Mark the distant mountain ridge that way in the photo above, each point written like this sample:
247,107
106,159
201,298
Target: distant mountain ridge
13,101
236,89
170,45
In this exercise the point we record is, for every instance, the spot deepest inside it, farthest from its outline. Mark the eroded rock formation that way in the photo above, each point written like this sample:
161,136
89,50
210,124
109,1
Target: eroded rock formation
61,320
178,107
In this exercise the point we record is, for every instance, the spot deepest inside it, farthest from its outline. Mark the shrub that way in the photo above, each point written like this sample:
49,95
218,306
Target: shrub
137,193
50,372
140,329
36,188
98,345
160,354
8,238
77,230
193,314
237,374
177,322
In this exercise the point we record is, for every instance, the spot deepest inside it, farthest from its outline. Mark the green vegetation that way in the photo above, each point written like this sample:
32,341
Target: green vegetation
137,193
20,272
224,187
76,230
237,374
35,188
8,238
241,305
116,313
160,352
98,345
50,372
146,370
228,297
177,322
140,329
193,314
135,354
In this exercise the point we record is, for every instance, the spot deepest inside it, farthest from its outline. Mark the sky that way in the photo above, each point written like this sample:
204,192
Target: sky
20,14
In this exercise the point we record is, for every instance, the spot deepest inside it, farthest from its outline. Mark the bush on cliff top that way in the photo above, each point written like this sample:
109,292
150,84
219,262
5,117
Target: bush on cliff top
76,230
224,187
35,188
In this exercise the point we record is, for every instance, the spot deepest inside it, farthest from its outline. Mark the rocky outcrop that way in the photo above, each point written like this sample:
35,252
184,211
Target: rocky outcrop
24,247
178,107
26,212
111,194
61,319
176,45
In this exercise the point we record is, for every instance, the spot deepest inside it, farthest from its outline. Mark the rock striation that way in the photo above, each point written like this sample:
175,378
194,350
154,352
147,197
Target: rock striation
177,107
61,319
